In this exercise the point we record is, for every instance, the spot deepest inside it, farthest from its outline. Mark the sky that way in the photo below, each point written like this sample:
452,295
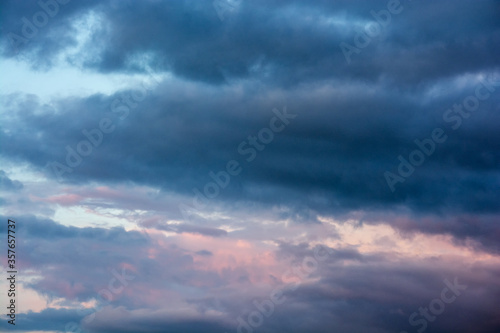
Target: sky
251,166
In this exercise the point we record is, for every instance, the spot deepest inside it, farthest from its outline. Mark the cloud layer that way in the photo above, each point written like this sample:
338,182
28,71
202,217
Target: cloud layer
239,140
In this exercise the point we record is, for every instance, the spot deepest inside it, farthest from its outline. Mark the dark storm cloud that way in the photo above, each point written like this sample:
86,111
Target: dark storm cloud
338,148
330,159
37,34
289,42
347,136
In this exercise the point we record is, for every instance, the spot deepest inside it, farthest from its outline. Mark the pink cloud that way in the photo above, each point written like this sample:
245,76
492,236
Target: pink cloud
63,199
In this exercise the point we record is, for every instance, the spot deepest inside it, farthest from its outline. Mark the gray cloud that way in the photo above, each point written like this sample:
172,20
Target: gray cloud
354,120
8,184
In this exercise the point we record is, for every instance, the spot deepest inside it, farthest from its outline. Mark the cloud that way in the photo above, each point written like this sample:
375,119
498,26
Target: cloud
45,320
326,161
136,178
276,41
168,288
204,253
9,184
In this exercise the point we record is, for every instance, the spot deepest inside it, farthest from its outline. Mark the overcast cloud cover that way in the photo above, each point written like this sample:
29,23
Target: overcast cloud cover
252,166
